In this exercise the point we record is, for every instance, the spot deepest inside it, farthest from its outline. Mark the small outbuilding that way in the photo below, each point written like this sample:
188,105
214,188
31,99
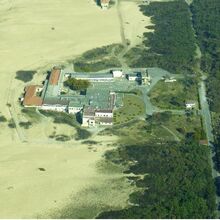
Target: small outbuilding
190,104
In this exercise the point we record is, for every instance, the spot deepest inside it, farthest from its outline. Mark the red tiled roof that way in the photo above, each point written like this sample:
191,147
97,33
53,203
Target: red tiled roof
54,76
30,98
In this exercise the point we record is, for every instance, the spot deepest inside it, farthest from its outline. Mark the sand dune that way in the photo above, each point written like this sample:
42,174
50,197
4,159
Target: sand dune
34,35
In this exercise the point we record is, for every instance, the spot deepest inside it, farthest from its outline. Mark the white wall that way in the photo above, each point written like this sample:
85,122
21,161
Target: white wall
105,123
117,74
54,108
74,110
103,114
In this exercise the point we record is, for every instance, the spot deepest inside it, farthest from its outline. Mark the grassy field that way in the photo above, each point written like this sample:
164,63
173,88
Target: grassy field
173,95
159,128
133,107
98,59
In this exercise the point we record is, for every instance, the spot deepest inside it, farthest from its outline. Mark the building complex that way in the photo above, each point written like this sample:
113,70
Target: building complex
97,103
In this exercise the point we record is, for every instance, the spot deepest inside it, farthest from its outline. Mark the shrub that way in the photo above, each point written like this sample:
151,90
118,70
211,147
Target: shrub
25,75
11,124
3,119
25,125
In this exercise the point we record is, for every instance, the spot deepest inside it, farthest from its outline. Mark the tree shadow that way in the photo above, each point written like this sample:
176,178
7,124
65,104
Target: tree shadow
25,75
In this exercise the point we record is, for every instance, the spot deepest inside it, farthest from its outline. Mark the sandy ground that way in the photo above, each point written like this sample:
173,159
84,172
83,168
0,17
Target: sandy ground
33,35
134,22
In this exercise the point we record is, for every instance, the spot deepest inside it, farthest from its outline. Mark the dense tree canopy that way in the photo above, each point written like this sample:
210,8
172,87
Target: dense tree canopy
77,84
206,17
177,181
172,44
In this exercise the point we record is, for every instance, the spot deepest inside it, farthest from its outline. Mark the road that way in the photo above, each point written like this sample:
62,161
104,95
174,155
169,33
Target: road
207,125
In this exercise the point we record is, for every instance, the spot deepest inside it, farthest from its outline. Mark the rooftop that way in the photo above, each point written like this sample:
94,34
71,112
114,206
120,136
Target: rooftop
54,76
55,101
31,98
106,120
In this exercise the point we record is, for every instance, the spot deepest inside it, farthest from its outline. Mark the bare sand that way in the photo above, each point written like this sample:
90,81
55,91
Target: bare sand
35,35
134,22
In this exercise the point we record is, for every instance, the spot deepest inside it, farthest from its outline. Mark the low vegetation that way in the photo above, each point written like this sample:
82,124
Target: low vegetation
3,118
25,125
60,117
64,118
98,59
133,107
31,114
100,52
174,95
94,66
11,123
25,75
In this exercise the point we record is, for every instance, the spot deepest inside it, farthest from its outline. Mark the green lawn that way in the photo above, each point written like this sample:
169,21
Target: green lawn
133,106
173,95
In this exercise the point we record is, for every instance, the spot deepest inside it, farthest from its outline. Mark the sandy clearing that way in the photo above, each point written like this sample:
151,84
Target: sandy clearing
25,191
134,22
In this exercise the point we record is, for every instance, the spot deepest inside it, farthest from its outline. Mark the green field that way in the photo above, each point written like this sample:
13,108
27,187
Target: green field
173,95
133,107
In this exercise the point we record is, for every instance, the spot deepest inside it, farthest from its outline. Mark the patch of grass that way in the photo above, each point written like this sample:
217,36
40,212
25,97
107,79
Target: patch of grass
173,95
64,118
133,106
25,125
99,59
90,142
98,53
108,167
11,124
61,118
25,75
32,114
62,138
94,66
82,134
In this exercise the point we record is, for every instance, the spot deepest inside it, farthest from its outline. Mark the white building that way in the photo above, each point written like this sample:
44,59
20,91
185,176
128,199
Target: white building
55,105
88,117
117,73
92,117
190,104
74,107
104,113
